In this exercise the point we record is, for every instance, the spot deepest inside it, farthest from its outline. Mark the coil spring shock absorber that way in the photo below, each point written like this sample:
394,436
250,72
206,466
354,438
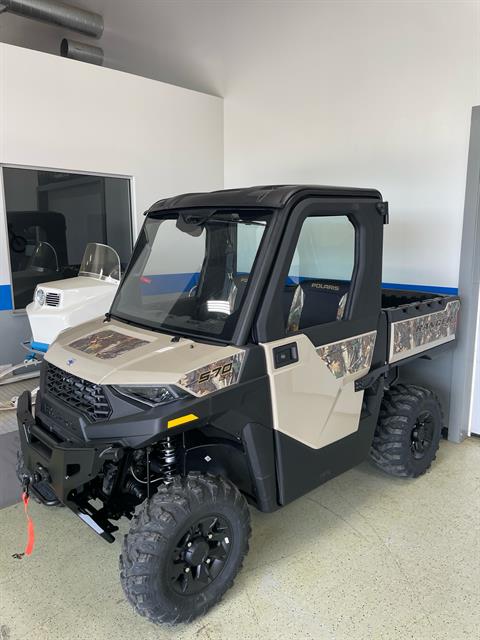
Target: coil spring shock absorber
164,465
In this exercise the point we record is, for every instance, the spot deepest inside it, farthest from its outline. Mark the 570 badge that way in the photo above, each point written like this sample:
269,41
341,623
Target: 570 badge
216,372
213,376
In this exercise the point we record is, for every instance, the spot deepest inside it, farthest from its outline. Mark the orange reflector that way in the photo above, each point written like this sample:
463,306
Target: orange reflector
176,422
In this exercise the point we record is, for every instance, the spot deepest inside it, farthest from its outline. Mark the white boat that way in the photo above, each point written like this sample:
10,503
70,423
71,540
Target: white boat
61,304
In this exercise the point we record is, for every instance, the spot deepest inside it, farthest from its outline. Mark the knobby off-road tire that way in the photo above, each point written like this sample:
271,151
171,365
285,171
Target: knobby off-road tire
408,433
184,548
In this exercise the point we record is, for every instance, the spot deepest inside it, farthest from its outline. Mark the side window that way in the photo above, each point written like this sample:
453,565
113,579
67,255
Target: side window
249,237
321,271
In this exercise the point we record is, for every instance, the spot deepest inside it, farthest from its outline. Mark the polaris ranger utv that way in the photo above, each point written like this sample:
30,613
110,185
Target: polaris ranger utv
249,355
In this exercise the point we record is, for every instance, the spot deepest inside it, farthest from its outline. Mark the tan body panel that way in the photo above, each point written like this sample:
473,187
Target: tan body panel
157,360
314,400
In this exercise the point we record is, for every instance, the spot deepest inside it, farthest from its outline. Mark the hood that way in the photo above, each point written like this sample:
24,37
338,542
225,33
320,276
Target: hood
117,353
77,283
73,291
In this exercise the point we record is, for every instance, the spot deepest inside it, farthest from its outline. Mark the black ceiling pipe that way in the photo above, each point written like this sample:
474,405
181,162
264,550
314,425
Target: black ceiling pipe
58,13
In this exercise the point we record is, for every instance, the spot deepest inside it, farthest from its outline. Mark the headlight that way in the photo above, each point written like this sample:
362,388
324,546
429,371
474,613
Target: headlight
40,297
152,394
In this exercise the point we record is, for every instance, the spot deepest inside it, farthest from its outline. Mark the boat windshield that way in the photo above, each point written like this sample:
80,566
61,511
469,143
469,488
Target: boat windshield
100,261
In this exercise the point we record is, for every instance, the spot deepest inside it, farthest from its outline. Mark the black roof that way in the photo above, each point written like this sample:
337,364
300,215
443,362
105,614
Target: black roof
271,196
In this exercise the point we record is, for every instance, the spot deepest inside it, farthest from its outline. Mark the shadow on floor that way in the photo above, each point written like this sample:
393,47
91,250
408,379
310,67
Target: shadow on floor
9,486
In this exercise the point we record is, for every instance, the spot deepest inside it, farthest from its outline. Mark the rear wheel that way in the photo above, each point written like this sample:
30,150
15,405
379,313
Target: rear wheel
185,547
408,432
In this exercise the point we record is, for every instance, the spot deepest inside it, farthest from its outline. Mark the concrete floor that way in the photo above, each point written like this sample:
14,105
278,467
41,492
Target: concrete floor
9,442
8,419
364,556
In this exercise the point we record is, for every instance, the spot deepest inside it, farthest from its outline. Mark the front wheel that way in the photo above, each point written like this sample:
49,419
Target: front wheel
184,548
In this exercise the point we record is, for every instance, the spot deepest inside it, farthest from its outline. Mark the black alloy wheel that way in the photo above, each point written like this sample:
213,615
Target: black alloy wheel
422,435
200,554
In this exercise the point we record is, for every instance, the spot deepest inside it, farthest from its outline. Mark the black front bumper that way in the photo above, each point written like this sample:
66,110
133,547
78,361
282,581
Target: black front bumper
64,466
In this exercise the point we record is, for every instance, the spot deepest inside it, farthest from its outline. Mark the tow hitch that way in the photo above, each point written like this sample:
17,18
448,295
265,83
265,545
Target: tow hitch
38,485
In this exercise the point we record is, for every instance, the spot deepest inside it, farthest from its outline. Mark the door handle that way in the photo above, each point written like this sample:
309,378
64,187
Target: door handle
285,355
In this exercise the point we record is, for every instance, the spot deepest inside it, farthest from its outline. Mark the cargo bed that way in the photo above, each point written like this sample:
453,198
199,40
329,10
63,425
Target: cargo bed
418,321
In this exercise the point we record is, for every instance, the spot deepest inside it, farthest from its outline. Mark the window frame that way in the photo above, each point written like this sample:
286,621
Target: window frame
350,279
347,315
6,267
363,304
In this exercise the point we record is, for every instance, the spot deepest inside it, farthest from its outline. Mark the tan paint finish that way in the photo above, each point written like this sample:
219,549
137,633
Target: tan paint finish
160,361
309,403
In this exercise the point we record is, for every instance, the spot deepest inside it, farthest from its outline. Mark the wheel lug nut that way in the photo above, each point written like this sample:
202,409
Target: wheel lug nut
208,561
210,536
187,569
189,544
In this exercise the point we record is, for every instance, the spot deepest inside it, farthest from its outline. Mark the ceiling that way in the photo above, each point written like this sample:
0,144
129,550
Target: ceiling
180,42
198,44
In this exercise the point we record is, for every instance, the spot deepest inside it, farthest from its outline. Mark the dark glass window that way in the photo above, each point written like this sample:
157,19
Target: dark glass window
52,216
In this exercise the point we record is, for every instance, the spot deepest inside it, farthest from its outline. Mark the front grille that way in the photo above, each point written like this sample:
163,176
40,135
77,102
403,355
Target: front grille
82,395
52,299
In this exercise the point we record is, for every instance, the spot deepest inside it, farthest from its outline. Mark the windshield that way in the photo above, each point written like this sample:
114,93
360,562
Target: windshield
100,261
190,271
43,258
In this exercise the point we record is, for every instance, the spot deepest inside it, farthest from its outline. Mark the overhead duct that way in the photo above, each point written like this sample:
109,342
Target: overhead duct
58,13
81,51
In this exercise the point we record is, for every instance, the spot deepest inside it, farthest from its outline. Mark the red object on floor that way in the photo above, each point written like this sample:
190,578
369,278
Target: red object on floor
30,528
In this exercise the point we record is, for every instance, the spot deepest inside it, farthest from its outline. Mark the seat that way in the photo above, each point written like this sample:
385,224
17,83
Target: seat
226,304
317,302
288,294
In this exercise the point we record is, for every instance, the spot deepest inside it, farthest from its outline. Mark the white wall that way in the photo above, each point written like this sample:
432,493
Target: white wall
355,92
363,94
358,92
61,114
58,113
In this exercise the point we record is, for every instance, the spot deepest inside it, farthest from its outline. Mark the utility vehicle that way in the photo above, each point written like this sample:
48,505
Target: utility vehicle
249,355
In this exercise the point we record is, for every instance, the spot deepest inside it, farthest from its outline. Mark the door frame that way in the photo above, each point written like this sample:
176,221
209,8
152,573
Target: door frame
364,301
465,389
